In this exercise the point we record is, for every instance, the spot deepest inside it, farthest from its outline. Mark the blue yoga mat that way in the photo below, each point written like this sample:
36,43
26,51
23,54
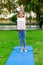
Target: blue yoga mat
17,58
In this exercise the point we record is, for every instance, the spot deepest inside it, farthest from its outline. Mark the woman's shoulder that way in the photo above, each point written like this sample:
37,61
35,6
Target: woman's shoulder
20,17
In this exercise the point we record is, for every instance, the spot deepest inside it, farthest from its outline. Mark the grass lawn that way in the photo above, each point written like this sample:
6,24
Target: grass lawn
9,39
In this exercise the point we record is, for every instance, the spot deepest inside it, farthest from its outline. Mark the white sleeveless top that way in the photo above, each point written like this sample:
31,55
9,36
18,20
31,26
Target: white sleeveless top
21,24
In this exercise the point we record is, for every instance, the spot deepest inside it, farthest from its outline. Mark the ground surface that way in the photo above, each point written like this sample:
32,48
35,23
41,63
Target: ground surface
9,39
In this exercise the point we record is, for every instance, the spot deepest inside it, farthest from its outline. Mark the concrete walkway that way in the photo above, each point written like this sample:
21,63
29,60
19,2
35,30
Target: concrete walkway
14,27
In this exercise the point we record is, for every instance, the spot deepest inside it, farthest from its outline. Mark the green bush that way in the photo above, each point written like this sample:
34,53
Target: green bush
14,18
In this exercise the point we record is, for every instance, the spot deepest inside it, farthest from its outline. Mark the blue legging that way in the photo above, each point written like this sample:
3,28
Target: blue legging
22,37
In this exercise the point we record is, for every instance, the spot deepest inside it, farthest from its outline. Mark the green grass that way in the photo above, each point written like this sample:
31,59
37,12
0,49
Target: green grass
9,39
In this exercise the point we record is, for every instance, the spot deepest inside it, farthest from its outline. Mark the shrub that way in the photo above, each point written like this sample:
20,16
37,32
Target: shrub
14,18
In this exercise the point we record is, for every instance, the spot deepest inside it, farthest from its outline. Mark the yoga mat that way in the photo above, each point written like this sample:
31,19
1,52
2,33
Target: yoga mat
18,58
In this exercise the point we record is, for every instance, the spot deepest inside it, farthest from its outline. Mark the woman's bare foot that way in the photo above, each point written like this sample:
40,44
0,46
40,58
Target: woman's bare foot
21,49
25,50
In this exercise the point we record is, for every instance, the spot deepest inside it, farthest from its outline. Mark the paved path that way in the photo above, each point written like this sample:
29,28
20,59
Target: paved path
14,27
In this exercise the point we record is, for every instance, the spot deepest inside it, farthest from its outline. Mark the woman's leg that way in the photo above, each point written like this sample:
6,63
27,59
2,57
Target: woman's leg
22,37
21,40
24,40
